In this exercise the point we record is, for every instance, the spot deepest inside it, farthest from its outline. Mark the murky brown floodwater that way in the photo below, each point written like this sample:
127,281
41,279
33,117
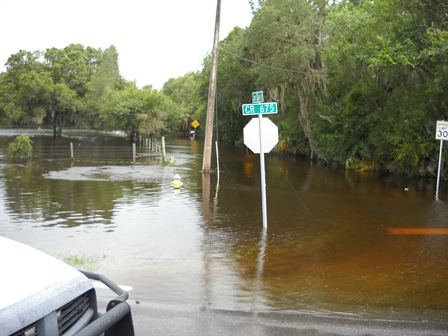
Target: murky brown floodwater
331,244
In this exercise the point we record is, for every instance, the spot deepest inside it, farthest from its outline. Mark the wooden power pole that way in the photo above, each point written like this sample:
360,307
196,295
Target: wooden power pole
207,158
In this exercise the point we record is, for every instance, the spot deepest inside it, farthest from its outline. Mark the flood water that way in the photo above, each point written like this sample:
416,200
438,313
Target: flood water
336,241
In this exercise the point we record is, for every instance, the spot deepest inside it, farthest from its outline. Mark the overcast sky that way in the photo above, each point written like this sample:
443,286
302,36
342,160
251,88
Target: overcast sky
156,39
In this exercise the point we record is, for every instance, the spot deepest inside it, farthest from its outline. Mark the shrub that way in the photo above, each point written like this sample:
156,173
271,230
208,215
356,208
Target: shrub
21,147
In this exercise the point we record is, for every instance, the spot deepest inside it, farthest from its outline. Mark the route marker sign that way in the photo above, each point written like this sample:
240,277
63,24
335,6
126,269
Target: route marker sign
257,97
259,108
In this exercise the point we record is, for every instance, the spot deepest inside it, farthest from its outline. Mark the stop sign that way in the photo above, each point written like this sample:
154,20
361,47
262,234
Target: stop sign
269,135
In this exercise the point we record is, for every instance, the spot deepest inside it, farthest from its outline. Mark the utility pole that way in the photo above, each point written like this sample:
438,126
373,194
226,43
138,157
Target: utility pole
207,158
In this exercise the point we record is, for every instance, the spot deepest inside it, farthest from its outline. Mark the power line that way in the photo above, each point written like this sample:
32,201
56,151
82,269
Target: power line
274,67
176,86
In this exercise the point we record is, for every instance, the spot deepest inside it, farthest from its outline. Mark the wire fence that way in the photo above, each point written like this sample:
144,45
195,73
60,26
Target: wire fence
145,151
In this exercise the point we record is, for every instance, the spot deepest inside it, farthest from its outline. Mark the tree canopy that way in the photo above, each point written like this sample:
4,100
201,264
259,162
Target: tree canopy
81,86
357,82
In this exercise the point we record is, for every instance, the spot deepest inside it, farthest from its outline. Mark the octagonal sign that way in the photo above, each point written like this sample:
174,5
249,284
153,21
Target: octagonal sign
269,133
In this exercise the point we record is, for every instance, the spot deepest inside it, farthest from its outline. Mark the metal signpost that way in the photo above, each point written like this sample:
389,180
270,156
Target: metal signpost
260,139
441,134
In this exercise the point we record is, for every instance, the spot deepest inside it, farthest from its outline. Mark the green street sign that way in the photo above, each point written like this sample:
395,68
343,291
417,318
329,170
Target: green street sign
262,108
257,97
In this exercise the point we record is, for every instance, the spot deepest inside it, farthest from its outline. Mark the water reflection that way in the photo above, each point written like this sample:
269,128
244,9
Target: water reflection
327,246
260,268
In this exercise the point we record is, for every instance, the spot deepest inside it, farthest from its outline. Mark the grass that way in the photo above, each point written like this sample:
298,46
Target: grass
83,262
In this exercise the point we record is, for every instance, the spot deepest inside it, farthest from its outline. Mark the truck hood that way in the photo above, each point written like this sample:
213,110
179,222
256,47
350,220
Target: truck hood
31,278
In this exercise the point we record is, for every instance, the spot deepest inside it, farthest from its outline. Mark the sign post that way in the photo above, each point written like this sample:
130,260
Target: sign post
260,139
441,134
263,175
195,124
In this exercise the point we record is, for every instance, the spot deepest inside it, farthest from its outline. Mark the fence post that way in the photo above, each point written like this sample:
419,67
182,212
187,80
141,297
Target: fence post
163,149
72,154
134,152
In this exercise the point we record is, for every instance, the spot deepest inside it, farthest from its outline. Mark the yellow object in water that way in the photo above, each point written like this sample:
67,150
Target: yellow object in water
176,184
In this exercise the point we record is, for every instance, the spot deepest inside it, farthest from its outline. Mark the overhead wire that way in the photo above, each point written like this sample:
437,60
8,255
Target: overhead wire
186,77
272,66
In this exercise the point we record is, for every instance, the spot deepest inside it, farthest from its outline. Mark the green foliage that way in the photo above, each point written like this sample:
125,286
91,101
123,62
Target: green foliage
106,77
358,82
284,34
235,83
185,102
82,87
387,61
21,147
135,111
46,89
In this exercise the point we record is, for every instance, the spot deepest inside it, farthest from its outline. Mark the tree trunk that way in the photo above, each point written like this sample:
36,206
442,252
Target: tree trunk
304,117
57,131
312,85
133,136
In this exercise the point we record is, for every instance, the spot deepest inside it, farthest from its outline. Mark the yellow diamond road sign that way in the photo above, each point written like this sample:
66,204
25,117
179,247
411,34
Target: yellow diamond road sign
195,123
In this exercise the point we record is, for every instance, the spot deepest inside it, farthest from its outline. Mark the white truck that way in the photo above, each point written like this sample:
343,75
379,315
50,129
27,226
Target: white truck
43,296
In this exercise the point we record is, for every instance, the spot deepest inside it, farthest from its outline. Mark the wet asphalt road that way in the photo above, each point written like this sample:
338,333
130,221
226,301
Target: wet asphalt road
178,320
150,319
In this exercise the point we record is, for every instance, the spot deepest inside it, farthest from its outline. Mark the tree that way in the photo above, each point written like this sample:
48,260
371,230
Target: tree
344,125
48,88
287,35
236,81
62,107
21,147
72,69
25,89
134,111
107,76
2,109
155,111
185,101
74,65
385,58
